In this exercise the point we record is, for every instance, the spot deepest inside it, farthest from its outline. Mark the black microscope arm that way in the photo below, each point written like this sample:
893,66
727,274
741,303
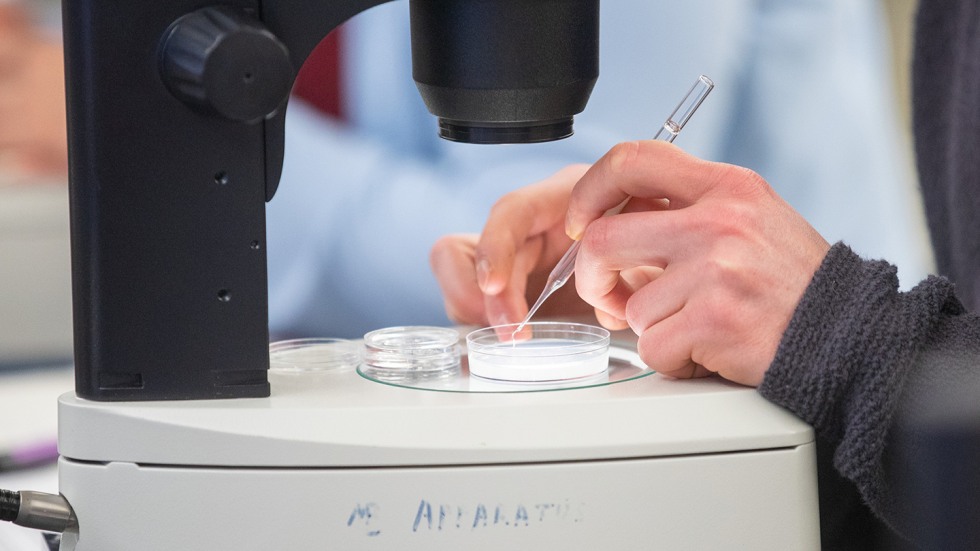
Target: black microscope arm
175,122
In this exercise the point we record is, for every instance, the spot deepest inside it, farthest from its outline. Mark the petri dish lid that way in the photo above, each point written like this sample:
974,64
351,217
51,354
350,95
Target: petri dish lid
314,355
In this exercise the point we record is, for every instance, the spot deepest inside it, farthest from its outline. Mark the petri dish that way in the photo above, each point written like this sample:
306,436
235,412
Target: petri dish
313,355
544,351
411,353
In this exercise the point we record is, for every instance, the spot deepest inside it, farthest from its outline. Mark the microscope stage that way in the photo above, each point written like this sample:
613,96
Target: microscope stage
342,419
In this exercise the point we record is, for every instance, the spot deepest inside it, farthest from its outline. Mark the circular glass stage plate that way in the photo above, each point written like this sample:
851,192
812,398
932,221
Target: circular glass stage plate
624,365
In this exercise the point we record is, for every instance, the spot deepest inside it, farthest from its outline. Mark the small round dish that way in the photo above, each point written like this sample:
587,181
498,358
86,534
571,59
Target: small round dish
398,354
312,355
542,352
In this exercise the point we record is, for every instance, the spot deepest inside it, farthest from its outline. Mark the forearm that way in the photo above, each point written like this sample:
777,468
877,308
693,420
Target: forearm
856,355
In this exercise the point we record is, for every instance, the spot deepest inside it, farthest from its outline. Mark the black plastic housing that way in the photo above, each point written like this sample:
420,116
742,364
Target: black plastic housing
505,71
167,205
168,186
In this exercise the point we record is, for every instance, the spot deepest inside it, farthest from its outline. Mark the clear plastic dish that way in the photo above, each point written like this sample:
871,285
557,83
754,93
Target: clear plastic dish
543,351
312,355
411,353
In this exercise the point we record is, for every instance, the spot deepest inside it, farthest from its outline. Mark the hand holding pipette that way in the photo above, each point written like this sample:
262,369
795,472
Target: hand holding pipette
709,284
671,128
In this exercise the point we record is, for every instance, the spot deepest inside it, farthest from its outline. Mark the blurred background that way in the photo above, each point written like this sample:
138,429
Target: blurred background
356,99
368,113
812,94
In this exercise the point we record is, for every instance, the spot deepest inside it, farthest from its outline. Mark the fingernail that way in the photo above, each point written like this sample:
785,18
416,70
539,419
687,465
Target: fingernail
483,274
500,319
572,232
496,315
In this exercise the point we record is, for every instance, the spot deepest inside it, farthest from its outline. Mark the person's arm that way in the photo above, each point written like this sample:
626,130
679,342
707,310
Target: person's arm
512,264
863,362
740,285
736,259
706,263
450,187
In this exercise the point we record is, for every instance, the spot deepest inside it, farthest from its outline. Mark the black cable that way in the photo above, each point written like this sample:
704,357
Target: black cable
53,540
9,505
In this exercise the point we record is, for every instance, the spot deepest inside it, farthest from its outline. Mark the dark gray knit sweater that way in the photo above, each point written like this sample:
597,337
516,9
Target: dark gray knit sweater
861,359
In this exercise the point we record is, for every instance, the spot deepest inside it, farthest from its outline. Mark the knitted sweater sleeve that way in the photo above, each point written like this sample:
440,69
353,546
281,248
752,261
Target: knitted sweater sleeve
859,355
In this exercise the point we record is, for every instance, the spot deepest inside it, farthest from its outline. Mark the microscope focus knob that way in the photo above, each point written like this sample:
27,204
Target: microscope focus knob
223,61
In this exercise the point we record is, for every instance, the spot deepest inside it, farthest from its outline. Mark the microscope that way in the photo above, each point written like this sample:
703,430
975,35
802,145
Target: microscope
176,436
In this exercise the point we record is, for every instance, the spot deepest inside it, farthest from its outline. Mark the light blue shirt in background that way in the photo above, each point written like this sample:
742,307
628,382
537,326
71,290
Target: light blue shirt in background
803,96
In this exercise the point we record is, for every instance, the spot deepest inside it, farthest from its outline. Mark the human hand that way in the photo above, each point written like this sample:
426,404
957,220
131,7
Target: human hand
485,279
33,137
735,259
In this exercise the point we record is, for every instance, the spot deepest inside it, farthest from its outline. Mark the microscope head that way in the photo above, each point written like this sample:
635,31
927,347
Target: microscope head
505,71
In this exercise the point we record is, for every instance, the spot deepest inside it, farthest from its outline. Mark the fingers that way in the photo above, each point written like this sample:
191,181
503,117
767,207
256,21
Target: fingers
510,304
646,170
609,321
667,349
656,313
452,263
484,279
658,300
511,245
632,238
626,242
516,217
514,240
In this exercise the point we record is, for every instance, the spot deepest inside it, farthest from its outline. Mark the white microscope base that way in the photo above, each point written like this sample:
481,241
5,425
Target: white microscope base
340,462
749,500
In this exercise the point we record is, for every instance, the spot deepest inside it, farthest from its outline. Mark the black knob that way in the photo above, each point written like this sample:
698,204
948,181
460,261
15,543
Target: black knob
222,61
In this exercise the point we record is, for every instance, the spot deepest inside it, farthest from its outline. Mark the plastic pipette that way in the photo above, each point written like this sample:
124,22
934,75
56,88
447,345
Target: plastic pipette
671,128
